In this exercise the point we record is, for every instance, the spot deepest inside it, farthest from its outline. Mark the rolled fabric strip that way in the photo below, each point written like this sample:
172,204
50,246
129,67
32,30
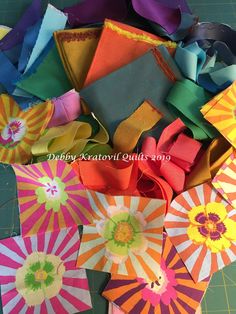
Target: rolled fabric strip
221,113
114,177
70,138
77,48
129,130
214,32
209,164
181,151
66,109
185,100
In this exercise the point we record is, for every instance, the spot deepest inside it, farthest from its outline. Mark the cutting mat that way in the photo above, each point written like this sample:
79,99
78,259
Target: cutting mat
221,295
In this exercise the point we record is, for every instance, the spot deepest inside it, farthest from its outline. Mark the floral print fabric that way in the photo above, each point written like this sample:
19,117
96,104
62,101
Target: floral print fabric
125,237
50,197
38,274
201,225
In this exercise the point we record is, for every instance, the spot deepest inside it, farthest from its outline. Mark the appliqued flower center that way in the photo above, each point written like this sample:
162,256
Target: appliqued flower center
124,232
211,226
157,285
51,189
52,193
13,132
40,275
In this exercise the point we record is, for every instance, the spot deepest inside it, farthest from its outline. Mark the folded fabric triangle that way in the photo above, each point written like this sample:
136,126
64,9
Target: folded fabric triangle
77,48
118,46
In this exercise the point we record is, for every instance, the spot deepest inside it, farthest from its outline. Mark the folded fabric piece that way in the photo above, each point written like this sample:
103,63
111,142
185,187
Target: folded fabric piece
37,273
50,197
225,180
46,32
180,149
110,102
220,112
77,48
185,99
19,130
186,23
129,131
9,213
126,233
87,13
174,291
66,109
49,73
218,77
201,226
165,13
16,35
70,138
119,45
28,45
190,59
115,177
207,167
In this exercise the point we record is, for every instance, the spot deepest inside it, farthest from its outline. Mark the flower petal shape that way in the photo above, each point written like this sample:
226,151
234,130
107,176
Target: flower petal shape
207,242
19,130
125,237
37,274
173,292
50,197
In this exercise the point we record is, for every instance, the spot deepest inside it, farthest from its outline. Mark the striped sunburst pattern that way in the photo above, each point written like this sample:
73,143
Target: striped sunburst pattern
125,237
38,274
221,113
174,291
50,197
19,130
201,226
225,180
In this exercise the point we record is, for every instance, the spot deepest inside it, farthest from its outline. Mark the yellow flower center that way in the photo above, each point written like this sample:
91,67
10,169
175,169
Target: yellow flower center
124,232
210,226
40,275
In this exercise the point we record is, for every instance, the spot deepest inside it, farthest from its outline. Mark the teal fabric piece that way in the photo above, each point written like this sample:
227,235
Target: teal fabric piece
190,60
116,96
48,80
53,20
186,99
